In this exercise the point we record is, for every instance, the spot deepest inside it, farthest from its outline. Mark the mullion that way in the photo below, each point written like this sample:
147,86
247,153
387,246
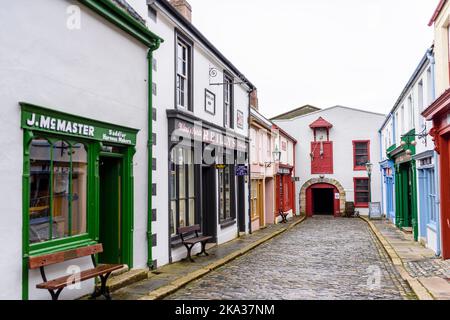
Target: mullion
50,231
186,200
70,190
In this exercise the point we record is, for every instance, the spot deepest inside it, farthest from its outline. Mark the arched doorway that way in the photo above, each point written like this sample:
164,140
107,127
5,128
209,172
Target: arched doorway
322,196
321,199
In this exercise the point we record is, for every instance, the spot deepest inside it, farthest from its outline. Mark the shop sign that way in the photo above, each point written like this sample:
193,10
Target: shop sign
284,171
375,210
220,166
41,119
403,158
210,136
241,170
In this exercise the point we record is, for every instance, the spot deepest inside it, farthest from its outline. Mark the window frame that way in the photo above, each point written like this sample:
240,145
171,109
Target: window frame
228,109
74,241
224,222
359,167
369,191
186,42
186,197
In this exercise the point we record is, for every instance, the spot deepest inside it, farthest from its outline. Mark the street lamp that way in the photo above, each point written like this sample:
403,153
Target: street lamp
276,154
369,174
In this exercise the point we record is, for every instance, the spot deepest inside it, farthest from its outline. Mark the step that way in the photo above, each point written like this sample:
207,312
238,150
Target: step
126,278
407,229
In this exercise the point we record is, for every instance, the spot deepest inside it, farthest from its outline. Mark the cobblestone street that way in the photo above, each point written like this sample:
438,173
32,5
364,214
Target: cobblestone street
322,258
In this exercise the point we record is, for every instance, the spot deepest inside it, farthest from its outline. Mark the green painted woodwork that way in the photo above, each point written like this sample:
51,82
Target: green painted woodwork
37,118
406,188
92,236
123,20
388,150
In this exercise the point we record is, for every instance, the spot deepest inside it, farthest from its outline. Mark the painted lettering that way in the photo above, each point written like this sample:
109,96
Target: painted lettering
45,122
30,122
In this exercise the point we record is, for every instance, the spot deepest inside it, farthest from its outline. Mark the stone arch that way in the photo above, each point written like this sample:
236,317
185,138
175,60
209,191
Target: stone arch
314,181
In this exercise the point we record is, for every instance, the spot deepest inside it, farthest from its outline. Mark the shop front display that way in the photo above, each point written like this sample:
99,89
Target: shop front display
77,185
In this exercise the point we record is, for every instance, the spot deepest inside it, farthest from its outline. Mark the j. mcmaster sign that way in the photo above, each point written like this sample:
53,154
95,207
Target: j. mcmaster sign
41,119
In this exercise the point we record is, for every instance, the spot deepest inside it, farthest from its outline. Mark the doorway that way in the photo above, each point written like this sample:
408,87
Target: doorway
209,212
323,203
110,207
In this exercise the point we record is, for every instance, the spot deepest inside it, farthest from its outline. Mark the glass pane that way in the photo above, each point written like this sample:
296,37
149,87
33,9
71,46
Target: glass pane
173,216
61,176
191,212
79,189
39,206
227,192
221,195
182,181
182,213
361,160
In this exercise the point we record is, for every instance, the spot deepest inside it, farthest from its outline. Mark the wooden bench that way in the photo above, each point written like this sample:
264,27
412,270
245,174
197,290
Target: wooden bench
184,232
55,286
283,216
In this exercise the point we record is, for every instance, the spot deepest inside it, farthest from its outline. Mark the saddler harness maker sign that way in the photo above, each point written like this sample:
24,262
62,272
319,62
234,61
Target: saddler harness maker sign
37,118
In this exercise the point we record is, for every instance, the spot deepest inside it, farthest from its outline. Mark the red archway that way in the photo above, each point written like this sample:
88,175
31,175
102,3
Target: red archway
310,203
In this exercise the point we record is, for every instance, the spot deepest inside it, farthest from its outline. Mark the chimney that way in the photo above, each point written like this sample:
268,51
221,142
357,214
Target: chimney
254,99
183,7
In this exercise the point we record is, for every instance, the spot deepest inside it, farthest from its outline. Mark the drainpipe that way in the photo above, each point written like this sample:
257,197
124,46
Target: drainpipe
150,154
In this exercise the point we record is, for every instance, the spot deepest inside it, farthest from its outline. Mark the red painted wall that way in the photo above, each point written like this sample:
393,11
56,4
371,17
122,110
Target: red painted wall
322,163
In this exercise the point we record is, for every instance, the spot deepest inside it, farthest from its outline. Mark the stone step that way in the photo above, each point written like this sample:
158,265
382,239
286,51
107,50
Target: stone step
407,229
116,273
126,278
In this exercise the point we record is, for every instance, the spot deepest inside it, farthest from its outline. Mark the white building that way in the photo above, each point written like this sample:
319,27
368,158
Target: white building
408,160
333,146
75,109
202,95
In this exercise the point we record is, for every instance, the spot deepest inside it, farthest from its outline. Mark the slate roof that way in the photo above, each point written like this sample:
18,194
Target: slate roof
296,112
129,9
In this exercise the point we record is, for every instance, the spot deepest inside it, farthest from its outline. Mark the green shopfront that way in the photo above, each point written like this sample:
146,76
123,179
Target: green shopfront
77,186
405,185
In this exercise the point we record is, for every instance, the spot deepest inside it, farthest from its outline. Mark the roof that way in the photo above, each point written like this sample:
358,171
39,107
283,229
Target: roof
437,12
255,114
190,27
321,123
410,82
296,112
128,8
330,108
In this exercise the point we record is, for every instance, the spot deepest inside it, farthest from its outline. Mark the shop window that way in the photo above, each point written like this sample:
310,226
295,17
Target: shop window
182,189
58,190
361,192
361,154
226,204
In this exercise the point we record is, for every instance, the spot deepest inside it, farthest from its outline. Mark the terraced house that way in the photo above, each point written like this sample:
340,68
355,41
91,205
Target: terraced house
76,111
409,162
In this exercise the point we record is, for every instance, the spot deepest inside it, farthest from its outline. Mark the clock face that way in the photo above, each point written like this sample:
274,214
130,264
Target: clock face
321,134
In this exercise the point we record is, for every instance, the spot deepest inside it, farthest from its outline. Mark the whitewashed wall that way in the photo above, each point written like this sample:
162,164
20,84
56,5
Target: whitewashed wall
97,72
348,125
164,78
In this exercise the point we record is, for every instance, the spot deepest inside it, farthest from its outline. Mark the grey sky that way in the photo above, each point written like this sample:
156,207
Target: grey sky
357,53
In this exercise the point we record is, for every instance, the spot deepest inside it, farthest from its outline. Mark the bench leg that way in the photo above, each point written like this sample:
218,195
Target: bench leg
55,293
203,249
189,248
103,291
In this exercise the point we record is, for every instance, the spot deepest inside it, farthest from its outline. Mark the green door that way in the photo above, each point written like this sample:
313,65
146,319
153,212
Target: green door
110,217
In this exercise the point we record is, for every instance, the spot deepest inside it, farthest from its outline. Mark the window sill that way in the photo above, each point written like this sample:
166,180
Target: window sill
227,223
58,245
359,169
361,205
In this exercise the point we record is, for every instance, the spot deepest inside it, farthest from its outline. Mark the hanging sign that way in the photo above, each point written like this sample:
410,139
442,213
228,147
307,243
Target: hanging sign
241,170
42,119
375,210
284,171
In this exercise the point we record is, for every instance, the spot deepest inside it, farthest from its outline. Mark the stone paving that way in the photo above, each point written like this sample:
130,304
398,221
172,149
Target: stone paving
322,258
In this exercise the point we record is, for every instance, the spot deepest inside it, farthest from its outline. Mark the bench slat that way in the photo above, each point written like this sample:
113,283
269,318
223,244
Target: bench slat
189,229
52,258
197,239
61,282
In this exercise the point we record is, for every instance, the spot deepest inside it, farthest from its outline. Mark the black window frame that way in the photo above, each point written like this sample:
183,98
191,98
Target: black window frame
228,81
189,44
227,221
